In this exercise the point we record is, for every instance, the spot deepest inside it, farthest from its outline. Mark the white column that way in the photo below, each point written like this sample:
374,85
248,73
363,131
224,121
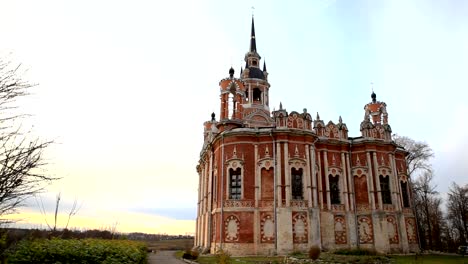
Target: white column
327,181
319,187
396,190
345,181
370,181
313,176
308,190
377,180
257,176
279,197
287,175
350,183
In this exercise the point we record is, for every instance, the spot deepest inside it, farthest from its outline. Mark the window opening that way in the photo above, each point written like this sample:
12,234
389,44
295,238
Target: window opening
385,189
296,177
334,189
404,193
235,184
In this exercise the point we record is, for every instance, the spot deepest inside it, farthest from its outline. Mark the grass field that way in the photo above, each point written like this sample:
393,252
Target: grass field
431,259
175,244
183,244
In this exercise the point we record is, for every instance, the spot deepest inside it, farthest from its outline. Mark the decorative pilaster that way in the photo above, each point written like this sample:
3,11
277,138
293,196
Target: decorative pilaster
377,181
370,182
345,181
327,182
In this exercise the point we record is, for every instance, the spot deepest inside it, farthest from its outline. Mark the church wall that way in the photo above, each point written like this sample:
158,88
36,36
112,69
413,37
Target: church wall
342,204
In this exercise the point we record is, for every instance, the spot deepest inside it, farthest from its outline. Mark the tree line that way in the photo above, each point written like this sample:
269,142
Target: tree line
442,223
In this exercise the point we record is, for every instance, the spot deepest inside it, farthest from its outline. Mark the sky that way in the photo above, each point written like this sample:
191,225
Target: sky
125,86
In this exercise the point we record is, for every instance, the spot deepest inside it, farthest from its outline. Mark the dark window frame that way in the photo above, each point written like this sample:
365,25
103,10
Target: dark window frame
385,189
235,184
297,191
334,183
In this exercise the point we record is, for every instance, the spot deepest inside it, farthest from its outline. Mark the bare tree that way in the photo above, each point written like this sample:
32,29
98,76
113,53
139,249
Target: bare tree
457,207
73,211
428,211
21,156
419,153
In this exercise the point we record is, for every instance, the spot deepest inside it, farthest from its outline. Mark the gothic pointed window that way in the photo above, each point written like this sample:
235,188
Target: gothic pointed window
404,193
296,183
232,106
334,189
385,189
235,184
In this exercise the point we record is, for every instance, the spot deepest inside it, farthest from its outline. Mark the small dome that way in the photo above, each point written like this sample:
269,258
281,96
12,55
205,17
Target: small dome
256,73
373,96
231,72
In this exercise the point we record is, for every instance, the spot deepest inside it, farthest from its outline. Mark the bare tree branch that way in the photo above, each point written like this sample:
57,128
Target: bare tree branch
21,156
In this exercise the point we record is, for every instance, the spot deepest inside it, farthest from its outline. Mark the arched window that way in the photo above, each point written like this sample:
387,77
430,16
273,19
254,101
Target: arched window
257,95
385,189
404,193
334,189
232,105
235,184
296,183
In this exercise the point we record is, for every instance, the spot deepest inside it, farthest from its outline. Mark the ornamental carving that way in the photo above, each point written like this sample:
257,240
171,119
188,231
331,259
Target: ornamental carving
299,203
337,207
231,229
411,230
340,230
267,228
299,220
366,231
388,207
392,230
363,207
238,203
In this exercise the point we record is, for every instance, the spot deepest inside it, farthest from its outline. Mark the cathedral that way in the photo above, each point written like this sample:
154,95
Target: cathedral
274,182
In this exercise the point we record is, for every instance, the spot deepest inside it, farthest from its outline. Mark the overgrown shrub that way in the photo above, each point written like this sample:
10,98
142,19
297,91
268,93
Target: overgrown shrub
314,252
223,257
78,251
190,254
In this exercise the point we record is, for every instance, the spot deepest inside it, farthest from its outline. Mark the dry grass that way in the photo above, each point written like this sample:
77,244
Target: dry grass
175,244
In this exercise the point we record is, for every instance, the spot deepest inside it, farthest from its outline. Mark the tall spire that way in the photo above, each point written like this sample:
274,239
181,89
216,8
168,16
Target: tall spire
253,44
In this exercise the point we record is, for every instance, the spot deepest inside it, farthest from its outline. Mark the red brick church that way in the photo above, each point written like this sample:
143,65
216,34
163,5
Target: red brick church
273,182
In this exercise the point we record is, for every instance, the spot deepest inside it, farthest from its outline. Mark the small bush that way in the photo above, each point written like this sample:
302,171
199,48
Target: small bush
190,254
314,252
223,257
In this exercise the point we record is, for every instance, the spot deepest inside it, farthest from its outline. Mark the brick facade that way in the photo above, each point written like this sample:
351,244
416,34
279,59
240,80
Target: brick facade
277,182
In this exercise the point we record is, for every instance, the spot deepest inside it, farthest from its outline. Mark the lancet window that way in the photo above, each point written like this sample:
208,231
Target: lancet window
235,184
334,189
296,183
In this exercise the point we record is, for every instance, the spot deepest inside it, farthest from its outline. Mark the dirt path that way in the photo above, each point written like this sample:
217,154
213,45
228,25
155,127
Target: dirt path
163,257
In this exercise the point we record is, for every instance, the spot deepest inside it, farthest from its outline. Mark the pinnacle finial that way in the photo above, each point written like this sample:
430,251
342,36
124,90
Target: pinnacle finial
264,65
281,106
318,117
253,43
340,120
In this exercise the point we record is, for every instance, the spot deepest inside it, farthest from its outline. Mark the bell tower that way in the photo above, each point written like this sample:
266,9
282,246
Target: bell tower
375,123
257,101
